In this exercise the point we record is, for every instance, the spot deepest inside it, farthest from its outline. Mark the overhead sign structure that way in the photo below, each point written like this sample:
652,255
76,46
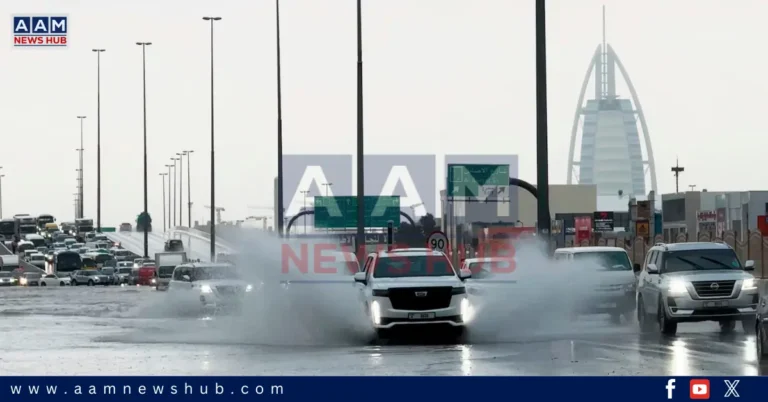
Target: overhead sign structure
477,182
437,241
603,221
341,212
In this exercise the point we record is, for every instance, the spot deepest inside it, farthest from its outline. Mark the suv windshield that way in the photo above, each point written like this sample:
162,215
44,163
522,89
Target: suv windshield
608,260
693,260
207,273
412,266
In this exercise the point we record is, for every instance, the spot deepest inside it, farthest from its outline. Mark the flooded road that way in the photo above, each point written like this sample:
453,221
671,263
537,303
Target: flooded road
126,331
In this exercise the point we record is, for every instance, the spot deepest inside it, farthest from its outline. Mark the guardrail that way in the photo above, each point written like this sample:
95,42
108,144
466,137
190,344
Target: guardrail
198,234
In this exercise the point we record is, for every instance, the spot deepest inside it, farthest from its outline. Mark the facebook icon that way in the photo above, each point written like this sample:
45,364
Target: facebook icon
670,387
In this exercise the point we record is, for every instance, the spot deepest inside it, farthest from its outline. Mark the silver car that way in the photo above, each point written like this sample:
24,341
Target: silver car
693,282
90,278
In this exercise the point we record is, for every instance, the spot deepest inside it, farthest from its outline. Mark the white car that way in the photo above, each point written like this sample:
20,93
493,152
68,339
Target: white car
37,260
210,286
55,280
413,287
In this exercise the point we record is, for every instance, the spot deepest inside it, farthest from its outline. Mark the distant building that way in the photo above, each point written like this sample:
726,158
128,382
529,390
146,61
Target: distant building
711,211
610,152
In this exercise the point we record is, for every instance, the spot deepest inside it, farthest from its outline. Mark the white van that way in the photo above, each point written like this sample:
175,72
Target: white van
615,281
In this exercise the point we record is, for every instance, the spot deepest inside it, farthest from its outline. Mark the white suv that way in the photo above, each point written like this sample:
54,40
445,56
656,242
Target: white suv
210,286
692,282
413,287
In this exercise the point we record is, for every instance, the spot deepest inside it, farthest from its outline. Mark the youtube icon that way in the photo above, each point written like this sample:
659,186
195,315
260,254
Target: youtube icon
699,389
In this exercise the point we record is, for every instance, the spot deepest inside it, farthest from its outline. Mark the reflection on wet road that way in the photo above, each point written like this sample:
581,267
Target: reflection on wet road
125,331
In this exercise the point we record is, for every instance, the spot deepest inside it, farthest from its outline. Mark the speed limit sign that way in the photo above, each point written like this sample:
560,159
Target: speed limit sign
437,241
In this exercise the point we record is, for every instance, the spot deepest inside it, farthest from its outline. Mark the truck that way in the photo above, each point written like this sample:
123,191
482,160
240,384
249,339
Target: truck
166,263
25,225
83,226
9,263
143,220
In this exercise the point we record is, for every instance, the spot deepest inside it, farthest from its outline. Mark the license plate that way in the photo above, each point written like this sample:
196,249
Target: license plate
606,305
420,316
716,304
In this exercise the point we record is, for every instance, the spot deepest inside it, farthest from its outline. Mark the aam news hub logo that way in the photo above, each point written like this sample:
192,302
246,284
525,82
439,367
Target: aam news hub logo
412,177
39,31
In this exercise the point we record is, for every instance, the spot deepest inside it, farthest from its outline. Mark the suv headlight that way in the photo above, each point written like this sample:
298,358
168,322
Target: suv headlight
206,289
249,288
749,284
677,287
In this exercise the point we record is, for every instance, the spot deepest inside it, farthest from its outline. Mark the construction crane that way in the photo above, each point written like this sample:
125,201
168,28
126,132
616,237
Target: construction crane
219,210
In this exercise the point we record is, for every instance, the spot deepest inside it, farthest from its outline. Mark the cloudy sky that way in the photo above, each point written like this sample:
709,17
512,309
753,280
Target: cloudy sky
441,76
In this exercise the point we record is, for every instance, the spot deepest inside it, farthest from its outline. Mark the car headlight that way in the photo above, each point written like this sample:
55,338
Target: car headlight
466,310
206,289
154,280
677,286
376,313
249,288
749,284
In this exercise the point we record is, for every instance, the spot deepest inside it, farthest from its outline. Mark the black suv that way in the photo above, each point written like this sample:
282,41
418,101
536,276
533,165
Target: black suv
174,245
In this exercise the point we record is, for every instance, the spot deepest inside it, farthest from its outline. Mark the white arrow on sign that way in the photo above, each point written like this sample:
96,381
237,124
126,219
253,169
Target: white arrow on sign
437,241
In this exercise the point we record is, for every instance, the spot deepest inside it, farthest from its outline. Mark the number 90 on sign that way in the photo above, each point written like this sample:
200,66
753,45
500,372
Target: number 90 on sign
437,241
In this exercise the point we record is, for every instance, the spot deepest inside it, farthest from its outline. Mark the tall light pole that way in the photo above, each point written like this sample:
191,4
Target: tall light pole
181,185
163,176
360,237
144,85
169,195
81,149
189,187
542,151
98,138
280,201
305,192
79,179
1,194
172,196
213,158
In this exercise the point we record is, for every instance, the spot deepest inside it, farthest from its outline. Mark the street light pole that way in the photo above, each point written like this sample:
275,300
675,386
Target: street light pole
542,151
189,188
144,84
1,194
213,158
360,238
305,192
82,190
169,195
172,196
181,185
280,200
163,176
98,138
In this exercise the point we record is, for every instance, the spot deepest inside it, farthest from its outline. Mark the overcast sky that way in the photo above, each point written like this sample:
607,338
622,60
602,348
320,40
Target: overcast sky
441,76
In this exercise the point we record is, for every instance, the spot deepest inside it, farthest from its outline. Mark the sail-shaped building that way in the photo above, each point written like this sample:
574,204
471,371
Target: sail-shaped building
611,154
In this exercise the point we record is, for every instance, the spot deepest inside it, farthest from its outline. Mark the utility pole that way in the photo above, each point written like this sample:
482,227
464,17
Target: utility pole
676,170
163,176
146,189
169,195
181,185
173,196
360,235
542,151
213,157
189,188
98,138
81,211
280,201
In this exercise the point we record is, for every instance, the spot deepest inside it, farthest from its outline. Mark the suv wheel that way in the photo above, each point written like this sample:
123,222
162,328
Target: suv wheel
643,320
727,326
666,325
90,282
748,325
760,343
73,282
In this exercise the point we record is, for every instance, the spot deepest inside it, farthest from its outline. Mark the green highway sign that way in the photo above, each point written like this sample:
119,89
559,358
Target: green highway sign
107,230
476,181
341,212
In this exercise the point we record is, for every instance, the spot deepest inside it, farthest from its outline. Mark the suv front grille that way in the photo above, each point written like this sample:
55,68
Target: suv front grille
406,298
228,290
714,288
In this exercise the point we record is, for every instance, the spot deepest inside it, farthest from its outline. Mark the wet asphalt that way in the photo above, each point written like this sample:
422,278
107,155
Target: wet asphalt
122,331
